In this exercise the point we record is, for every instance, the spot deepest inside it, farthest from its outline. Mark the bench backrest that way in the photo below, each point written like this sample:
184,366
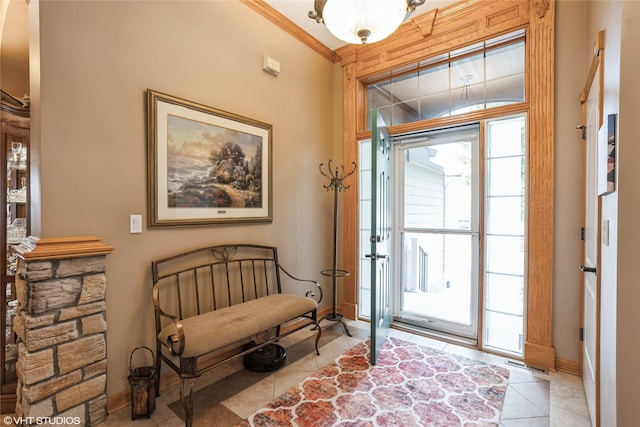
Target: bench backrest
215,277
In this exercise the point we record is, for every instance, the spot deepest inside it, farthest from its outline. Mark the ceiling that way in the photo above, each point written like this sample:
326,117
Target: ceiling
297,12
14,34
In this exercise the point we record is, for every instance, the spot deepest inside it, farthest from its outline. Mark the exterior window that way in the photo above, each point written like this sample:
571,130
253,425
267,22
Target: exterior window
505,239
485,75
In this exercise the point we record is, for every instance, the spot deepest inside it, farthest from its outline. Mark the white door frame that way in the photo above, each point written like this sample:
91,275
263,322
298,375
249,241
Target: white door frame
434,324
591,98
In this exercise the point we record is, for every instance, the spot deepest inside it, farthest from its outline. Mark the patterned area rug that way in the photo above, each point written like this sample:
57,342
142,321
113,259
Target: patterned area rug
410,385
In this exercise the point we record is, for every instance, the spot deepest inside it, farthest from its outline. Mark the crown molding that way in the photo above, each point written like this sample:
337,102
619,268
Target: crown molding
262,8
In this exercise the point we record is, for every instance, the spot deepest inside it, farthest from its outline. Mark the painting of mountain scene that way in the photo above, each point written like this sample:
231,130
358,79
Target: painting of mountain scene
212,167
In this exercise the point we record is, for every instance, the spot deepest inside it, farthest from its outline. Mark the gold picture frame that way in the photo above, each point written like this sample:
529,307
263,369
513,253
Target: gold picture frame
205,166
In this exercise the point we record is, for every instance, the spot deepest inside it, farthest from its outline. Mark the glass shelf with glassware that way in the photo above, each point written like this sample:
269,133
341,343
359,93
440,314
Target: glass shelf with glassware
17,231
15,218
17,191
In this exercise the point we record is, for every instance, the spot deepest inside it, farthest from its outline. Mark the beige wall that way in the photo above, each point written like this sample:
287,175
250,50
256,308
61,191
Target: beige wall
97,60
571,67
628,290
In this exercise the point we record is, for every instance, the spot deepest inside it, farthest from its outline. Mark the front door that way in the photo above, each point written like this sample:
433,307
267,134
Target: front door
381,222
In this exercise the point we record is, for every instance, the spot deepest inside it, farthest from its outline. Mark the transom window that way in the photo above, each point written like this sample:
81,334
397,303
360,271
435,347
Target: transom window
484,75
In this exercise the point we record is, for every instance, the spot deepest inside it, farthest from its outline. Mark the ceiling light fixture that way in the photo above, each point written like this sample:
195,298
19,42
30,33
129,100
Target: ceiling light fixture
362,21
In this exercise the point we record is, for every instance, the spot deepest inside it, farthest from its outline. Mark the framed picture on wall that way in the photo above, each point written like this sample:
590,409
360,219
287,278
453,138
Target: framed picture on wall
205,166
607,143
611,153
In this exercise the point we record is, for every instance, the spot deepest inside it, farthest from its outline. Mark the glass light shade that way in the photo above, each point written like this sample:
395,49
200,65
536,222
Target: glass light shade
363,21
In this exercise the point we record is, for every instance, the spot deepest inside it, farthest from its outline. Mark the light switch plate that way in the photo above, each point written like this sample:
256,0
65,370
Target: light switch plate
135,224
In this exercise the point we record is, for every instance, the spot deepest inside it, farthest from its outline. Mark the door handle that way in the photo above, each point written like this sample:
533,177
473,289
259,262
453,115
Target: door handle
587,269
376,256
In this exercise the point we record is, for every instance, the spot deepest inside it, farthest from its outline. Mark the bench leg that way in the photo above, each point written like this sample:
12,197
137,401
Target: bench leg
318,340
315,319
187,401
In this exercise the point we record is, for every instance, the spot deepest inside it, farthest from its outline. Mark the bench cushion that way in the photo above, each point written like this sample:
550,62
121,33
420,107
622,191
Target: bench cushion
214,330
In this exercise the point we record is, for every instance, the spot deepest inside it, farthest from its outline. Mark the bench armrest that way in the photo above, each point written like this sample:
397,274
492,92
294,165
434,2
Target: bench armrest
310,294
178,337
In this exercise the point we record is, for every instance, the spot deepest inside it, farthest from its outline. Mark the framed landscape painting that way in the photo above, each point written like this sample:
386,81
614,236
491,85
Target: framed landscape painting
205,166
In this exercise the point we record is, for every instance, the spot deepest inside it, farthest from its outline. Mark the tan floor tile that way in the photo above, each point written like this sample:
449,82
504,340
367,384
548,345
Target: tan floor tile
524,403
561,417
567,397
467,352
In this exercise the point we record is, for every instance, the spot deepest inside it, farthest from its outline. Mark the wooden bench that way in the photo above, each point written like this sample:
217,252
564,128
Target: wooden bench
211,302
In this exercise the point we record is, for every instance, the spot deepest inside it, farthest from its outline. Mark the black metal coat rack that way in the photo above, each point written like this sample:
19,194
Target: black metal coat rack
336,184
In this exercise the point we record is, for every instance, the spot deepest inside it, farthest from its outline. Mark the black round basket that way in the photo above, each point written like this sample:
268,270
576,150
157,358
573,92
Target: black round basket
265,359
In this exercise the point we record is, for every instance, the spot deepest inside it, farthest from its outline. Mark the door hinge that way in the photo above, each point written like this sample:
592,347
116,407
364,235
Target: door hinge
581,334
582,233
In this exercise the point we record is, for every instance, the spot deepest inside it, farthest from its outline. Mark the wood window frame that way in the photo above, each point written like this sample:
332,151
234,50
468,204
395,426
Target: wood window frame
441,31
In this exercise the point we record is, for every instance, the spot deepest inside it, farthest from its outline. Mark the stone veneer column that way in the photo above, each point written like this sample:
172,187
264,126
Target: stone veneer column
62,329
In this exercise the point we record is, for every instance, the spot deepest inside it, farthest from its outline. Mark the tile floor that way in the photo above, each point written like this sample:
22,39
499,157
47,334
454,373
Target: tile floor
533,399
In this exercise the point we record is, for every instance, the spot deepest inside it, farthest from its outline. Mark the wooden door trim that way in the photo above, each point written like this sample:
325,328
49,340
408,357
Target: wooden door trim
538,348
454,26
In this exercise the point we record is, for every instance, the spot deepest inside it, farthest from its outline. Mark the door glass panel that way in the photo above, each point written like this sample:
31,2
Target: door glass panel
439,249
437,185
437,276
